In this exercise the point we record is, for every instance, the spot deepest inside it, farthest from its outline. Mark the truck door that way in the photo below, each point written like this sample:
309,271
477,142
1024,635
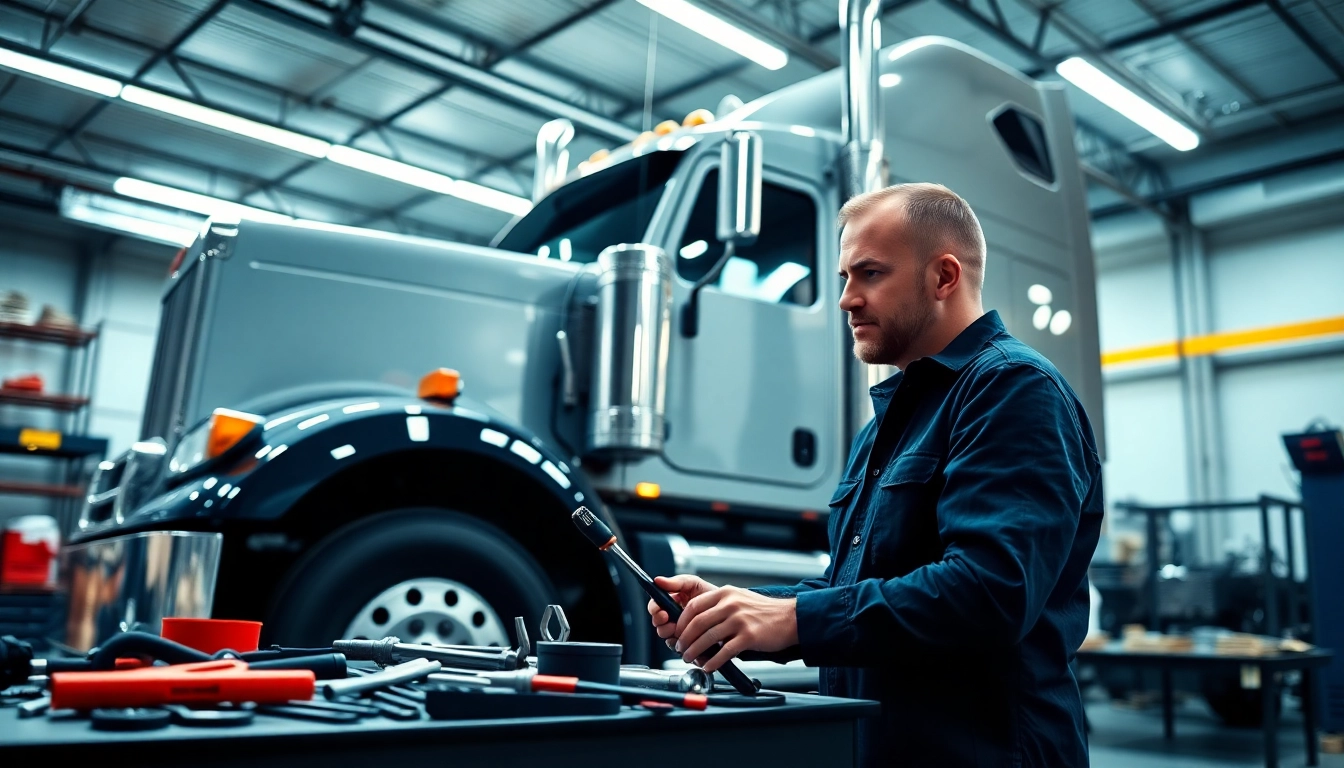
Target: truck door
754,395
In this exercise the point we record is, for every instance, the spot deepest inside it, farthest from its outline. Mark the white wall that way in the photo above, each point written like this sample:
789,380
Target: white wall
1266,266
108,282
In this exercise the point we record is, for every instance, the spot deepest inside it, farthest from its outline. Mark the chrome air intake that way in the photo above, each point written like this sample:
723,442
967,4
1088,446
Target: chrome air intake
631,338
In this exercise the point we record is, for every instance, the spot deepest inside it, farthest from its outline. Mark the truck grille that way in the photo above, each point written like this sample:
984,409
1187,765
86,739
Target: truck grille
179,331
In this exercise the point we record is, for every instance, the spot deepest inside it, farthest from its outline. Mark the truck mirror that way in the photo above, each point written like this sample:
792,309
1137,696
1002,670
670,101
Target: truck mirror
739,215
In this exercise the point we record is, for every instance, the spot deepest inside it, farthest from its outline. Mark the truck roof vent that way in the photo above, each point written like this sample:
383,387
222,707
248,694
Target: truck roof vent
1024,136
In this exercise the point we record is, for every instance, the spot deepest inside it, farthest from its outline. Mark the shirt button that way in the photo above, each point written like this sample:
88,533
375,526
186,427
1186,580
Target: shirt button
856,540
876,472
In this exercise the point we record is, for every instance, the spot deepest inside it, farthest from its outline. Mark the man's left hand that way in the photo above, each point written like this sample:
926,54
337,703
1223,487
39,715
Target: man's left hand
740,619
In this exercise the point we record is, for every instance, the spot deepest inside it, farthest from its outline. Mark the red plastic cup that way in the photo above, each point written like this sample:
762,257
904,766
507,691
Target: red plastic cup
213,635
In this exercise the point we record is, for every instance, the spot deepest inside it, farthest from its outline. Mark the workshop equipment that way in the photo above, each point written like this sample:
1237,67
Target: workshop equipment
390,650
415,669
598,662
528,681
602,537
691,680
212,635
207,682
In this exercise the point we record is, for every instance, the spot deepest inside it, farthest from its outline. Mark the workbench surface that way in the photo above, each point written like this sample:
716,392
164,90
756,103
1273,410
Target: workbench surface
807,731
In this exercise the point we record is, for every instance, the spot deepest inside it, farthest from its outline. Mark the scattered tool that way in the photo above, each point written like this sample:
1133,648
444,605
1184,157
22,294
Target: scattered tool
415,669
527,681
558,613
690,680
601,536
390,650
206,682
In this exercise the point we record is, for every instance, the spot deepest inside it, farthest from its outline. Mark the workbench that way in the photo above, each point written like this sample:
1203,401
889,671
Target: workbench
806,731
1268,669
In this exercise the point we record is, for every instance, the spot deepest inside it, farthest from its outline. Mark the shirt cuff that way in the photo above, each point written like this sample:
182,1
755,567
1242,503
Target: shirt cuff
826,631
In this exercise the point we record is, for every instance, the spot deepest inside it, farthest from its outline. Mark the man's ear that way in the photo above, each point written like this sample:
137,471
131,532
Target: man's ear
947,270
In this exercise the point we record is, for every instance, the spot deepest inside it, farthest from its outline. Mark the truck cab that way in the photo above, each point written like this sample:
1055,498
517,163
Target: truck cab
291,449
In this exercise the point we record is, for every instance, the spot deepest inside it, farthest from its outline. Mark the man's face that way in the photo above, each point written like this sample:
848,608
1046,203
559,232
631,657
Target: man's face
885,294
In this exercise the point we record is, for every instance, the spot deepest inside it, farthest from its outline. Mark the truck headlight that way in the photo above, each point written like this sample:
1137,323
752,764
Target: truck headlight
214,437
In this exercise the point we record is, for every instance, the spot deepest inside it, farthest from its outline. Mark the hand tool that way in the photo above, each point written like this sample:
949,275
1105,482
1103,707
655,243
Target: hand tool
415,669
205,682
390,650
349,707
690,680
293,711
602,537
528,681
559,614
210,718
394,707
35,707
130,718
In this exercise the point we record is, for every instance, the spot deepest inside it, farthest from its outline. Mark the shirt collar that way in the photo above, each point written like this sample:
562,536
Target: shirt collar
954,356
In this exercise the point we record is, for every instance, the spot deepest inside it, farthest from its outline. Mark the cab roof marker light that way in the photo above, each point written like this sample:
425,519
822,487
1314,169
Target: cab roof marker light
277,452
417,428
494,437
318,419
224,490
360,408
209,483
714,28
345,451
264,450
555,474
1103,88
60,73
234,492
225,121
532,455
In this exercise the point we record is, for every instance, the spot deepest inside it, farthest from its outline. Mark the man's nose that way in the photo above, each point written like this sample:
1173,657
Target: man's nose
849,299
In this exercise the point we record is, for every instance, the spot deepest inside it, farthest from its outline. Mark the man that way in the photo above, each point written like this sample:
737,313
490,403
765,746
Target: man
962,530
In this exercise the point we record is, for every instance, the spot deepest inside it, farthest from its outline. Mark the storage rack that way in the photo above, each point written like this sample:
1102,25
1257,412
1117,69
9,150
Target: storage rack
68,444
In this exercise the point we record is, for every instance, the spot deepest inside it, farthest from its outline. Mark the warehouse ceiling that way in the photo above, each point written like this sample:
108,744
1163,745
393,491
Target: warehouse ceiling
460,87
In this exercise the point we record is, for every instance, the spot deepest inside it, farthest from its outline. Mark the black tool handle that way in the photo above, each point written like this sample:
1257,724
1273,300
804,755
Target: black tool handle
601,536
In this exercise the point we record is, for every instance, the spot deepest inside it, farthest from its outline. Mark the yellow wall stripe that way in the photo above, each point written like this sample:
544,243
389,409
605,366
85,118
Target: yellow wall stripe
1209,344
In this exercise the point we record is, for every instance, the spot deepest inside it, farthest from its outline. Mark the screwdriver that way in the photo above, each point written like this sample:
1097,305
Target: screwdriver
528,681
602,537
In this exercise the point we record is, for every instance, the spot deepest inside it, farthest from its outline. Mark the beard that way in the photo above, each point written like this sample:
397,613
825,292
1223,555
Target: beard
895,333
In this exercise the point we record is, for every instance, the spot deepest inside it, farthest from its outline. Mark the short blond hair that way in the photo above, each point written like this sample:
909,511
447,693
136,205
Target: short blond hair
939,220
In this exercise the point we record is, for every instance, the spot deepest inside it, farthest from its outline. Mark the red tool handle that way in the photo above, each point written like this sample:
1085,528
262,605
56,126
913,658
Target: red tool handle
629,695
206,682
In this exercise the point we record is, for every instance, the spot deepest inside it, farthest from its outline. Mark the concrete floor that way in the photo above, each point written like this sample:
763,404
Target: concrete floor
1129,738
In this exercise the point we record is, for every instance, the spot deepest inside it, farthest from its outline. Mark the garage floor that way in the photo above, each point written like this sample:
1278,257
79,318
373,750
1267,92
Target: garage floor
1127,738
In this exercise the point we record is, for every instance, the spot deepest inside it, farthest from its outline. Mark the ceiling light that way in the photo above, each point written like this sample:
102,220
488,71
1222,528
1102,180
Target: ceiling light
142,221
1116,96
1039,294
390,169
716,29
225,121
75,78
490,198
1061,322
190,201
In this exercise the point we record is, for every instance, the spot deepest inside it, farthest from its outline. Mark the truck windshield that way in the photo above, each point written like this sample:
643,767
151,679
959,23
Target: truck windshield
579,220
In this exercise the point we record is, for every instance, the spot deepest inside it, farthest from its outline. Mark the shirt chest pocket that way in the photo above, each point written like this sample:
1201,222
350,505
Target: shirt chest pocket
840,507
903,518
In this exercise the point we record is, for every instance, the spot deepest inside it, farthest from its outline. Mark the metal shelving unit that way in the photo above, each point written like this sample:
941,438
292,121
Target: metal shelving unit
68,444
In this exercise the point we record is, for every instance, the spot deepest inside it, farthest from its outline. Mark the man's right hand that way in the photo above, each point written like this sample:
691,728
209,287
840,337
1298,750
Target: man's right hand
682,588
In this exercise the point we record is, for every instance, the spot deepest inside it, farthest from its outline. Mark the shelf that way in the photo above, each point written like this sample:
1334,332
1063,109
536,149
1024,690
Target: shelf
47,443
42,489
56,334
42,400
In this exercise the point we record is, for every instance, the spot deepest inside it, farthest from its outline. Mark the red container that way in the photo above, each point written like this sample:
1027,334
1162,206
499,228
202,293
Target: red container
28,552
213,635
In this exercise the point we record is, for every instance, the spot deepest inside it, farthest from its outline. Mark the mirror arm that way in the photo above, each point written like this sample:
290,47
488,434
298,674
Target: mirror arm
690,311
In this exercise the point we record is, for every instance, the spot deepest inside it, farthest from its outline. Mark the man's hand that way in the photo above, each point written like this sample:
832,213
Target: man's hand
741,620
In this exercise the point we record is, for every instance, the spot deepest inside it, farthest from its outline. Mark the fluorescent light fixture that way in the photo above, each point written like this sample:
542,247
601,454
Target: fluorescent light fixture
889,80
1039,294
425,179
490,198
75,78
390,169
143,221
1041,317
190,201
1116,96
225,121
1060,322
704,23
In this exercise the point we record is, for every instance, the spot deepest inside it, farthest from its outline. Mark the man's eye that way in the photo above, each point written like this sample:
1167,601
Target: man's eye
870,272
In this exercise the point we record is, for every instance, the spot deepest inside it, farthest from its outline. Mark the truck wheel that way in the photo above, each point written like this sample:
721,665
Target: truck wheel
423,575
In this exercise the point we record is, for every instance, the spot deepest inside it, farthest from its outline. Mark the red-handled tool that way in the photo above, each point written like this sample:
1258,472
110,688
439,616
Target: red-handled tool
557,684
206,682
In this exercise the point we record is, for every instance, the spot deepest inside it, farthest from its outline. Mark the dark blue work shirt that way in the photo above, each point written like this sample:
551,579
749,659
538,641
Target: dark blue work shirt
960,541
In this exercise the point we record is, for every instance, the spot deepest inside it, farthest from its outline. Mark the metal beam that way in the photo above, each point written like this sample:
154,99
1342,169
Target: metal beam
753,23
1299,31
153,61
1179,24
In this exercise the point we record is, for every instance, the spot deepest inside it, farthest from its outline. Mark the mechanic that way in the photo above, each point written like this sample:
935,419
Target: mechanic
962,531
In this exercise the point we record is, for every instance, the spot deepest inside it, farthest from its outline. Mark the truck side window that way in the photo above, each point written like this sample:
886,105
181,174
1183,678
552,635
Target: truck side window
780,267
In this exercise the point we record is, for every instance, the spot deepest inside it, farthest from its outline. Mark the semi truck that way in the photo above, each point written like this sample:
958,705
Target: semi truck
351,433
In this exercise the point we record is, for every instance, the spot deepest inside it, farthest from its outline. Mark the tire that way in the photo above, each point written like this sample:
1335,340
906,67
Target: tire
336,579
